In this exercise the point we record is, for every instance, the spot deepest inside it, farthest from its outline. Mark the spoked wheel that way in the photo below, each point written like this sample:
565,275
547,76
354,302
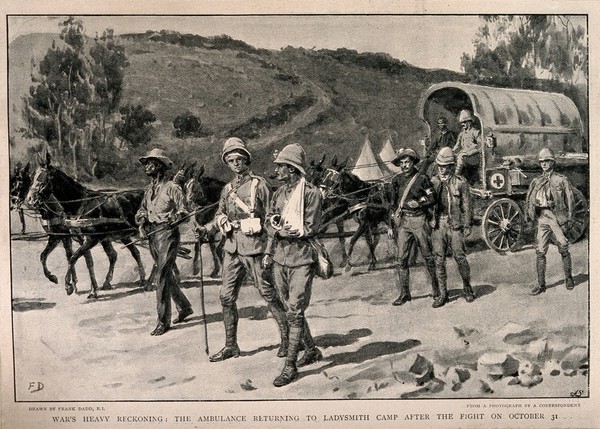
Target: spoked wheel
580,217
502,225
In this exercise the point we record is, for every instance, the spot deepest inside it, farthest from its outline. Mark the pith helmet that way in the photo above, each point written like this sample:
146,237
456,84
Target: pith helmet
445,157
235,144
546,154
294,155
158,154
403,152
465,115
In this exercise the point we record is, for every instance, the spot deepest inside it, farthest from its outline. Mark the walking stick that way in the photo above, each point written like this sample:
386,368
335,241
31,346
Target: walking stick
202,301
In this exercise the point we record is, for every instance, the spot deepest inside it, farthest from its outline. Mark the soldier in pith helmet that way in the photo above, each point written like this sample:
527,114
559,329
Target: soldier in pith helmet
451,221
241,219
550,202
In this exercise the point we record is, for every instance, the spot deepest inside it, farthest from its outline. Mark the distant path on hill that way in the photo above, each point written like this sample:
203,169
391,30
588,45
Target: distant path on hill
302,119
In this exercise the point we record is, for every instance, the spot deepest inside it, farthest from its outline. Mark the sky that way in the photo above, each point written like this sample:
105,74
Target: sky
424,41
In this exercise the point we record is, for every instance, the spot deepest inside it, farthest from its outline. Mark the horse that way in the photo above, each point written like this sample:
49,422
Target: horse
346,195
99,218
202,195
20,182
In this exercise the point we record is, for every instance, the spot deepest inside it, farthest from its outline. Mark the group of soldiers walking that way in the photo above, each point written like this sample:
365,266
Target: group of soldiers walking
271,237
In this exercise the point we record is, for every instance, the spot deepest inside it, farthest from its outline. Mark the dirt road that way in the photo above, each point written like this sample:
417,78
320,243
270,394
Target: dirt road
101,349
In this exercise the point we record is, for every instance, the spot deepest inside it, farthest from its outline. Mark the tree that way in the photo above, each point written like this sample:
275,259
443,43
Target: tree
135,125
74,87
187,125
109,61
518,49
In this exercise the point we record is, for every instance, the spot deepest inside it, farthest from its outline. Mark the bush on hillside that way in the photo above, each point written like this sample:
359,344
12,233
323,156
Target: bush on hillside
275,116
135,125
187,125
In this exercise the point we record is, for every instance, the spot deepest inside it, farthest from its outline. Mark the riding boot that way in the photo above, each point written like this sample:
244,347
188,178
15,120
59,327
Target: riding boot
430,263
279,316
440,272
403,281
465,273
540,265
442,293
311,352
290,372
231,349
567,266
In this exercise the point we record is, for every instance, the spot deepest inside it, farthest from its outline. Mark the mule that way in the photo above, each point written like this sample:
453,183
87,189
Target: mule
52,221
202,192
100,217
346,195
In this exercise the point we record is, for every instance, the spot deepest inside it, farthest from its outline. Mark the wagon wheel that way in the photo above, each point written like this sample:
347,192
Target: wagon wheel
580,217
502,225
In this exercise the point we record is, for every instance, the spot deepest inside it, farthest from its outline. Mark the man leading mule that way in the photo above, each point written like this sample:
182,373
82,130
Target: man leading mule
161,209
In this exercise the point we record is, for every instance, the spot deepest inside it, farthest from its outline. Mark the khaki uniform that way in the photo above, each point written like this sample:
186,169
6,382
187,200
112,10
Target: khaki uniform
452,214
245,197
412,226
294,258
467,145
550,202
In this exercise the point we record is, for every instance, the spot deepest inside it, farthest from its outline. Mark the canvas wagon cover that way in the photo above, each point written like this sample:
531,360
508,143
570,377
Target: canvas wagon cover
513,110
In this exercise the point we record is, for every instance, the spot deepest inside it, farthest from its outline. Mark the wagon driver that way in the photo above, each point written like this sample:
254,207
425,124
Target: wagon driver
162,208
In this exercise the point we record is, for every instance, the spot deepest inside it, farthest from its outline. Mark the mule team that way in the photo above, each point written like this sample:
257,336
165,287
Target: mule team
271,238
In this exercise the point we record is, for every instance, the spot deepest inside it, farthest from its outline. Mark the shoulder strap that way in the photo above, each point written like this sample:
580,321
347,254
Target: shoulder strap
241,204
253,187
408,188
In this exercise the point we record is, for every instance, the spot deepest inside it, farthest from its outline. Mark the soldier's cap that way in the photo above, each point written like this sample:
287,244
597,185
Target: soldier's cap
465,115
159,155
235,144
445,157
546,154
294,155
404,152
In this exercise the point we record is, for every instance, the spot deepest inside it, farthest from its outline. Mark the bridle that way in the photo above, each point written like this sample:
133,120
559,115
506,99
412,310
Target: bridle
331,182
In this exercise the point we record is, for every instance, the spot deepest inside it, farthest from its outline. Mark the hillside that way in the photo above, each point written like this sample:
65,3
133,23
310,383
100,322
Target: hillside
325,100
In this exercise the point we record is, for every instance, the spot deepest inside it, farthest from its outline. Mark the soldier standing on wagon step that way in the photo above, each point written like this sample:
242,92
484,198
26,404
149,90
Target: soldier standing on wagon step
550,202
468,141
163,206
451,224
241,217
295,216
412,195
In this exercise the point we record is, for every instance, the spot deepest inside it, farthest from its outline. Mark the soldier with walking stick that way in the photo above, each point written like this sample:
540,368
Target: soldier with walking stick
161,210
241,217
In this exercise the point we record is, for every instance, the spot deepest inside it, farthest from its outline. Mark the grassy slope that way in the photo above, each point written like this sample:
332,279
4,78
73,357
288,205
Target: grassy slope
226,88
